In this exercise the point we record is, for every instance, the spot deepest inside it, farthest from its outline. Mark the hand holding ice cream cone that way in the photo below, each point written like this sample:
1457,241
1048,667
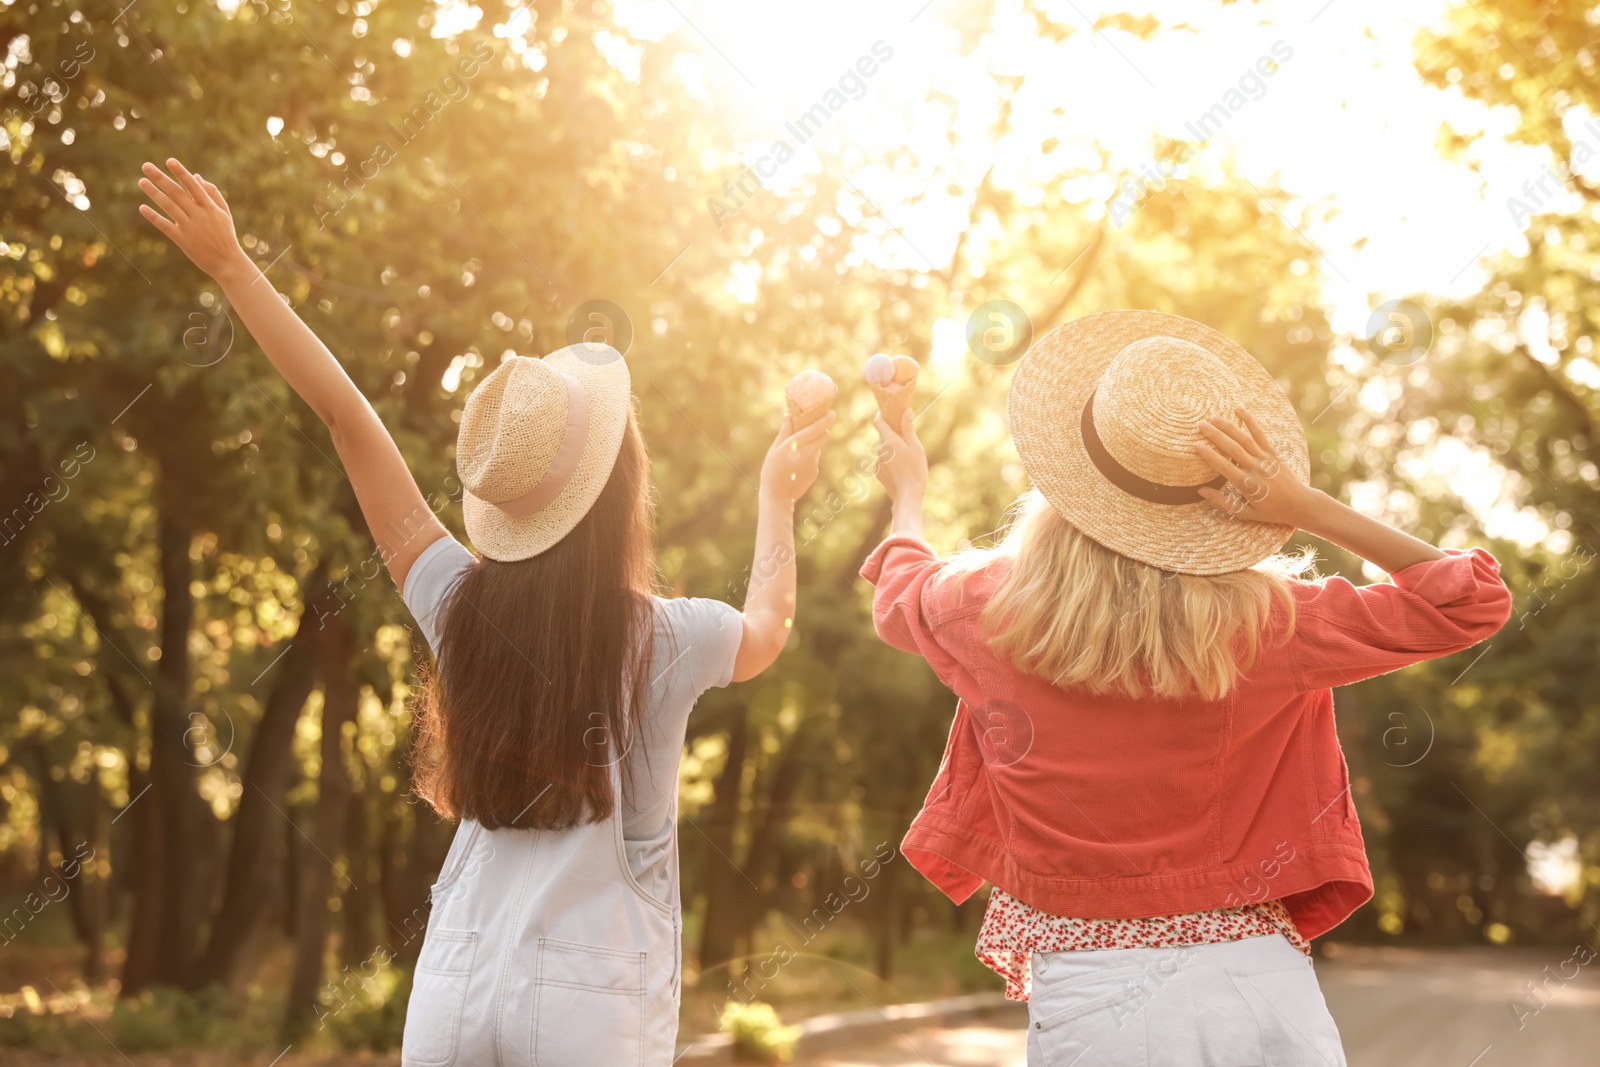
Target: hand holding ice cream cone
893,381
792,462
810,396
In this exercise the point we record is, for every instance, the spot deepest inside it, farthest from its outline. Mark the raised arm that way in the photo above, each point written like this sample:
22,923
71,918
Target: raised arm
196,218
903,470
789,470
1272,494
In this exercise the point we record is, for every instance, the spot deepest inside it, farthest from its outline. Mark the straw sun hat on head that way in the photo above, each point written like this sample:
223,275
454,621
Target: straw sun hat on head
1106,413
537,443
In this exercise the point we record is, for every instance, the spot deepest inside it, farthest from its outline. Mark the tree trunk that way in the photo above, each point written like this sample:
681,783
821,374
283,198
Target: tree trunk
430,841
340,698
719,933
75,812
356,943
47,817
169,890
764,841
250,891
399,930
887,927
72,813
92,888
289,878
172,768
111,667
409,866
146,857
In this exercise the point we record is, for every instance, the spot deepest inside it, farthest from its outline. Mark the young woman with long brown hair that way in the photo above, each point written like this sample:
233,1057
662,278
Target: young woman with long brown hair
553,724
1143,762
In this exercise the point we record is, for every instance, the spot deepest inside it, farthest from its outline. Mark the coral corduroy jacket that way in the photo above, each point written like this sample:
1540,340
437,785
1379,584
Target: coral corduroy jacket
1108,807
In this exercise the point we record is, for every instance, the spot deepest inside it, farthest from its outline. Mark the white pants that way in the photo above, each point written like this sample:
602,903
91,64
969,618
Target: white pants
1250,1003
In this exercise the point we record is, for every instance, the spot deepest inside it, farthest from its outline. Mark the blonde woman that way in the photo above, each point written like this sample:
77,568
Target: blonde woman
1143,761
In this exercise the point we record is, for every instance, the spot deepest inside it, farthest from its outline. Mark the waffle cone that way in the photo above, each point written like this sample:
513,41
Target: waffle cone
810,396
895,395
894,401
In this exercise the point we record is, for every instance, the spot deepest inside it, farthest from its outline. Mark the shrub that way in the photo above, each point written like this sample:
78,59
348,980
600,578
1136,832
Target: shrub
162,1018
758,1034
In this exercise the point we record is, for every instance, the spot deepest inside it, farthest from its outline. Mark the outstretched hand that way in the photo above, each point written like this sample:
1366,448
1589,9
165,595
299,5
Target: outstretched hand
194,216
793,460
192,212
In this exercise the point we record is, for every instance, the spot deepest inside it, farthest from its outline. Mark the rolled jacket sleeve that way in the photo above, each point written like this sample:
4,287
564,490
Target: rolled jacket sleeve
901,570
1345,633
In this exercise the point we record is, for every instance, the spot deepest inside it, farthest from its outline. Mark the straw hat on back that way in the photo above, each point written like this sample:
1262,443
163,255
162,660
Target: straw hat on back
537,442
1106,413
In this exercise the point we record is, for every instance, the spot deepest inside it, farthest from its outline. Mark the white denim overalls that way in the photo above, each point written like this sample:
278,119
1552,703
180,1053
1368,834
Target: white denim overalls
542,951
542,947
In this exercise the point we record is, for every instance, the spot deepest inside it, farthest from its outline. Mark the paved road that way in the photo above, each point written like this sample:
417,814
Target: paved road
1395,1008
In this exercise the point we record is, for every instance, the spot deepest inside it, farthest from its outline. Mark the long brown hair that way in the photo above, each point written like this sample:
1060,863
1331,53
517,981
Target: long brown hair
544,665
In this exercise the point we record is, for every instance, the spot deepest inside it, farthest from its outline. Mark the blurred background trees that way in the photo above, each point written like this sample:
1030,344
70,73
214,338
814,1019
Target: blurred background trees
204,674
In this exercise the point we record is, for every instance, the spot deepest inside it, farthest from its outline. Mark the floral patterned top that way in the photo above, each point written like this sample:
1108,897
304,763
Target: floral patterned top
1012,931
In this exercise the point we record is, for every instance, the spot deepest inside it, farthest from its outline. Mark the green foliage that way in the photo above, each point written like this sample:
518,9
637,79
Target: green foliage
759,1036
160,1019
156,1020
152,602
1509,378
376,1022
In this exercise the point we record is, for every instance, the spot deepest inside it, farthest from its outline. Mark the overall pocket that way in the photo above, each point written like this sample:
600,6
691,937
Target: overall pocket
589,1006
438,993
1295,1026
1089,1020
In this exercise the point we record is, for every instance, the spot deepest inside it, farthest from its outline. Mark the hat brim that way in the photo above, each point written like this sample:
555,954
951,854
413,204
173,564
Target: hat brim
604,375
1048,392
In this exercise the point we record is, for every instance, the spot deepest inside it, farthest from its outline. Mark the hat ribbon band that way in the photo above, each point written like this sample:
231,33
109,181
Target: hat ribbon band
568,453
1131,483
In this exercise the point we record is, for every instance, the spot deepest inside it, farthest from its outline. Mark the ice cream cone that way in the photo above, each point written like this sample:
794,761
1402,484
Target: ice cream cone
893,381
810,395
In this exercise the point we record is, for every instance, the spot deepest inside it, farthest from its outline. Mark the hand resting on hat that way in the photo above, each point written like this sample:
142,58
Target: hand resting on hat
1265,490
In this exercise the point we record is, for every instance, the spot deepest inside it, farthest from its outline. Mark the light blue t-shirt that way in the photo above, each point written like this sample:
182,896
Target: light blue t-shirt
696,641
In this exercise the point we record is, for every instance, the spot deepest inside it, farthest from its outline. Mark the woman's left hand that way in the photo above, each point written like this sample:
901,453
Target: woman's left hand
794,459
1264,489
195,216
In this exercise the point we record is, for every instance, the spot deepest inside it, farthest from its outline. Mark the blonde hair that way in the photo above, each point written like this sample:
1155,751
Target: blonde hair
1079,614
